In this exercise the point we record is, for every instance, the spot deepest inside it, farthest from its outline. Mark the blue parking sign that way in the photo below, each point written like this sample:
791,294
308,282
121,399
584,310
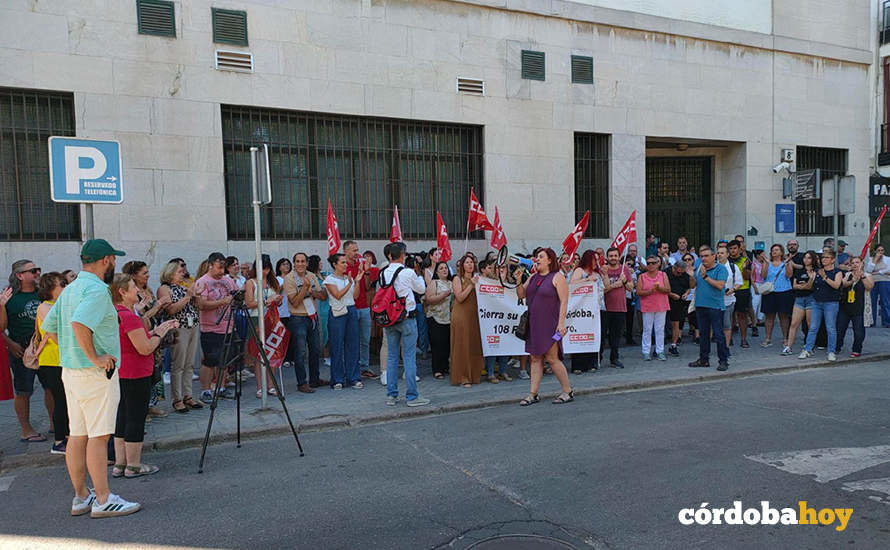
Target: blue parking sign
85,170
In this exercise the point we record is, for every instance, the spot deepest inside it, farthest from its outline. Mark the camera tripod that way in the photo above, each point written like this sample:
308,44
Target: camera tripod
227,360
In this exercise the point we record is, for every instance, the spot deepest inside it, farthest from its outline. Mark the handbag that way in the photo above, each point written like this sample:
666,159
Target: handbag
31,357
522,327
339,310
767,287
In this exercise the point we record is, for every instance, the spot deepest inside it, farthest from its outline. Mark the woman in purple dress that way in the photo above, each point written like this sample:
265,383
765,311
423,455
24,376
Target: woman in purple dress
547,296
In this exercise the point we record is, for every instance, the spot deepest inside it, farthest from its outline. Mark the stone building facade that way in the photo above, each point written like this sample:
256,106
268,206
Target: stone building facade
678,110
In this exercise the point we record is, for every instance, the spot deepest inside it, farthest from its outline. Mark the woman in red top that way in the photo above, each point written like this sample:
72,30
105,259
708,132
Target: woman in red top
137,362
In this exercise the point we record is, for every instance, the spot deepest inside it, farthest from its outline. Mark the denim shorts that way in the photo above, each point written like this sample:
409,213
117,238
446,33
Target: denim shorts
804,302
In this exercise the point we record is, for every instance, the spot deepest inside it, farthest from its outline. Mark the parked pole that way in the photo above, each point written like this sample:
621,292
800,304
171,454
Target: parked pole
836,220
261,344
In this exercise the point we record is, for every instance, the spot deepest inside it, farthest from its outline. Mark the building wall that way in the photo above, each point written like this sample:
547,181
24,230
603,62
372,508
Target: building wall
161,99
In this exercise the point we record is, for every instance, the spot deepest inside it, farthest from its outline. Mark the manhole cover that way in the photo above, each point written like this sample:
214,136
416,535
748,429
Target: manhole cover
522,542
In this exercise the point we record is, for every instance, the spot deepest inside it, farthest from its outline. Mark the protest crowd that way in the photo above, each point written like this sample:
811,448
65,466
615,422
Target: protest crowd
110,349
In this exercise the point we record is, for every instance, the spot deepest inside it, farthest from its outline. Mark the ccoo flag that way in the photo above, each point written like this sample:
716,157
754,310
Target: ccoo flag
498,238
395,233
874,231
333,232
477,219
627,235
442,242
573,241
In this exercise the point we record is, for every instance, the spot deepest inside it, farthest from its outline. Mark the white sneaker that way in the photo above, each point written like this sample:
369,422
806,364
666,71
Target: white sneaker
167,378
327,361
805,354
358,385
114,506
832,356
80,506
786,351
416,378
524,375
383,378
194,377
338,386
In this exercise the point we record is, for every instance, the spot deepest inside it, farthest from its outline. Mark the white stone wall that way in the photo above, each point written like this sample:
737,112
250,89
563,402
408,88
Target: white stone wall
161,97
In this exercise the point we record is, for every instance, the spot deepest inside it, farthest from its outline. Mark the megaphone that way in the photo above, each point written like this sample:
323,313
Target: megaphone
524,262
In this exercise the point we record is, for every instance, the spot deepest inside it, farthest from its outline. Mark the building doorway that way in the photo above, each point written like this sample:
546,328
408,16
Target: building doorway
678,199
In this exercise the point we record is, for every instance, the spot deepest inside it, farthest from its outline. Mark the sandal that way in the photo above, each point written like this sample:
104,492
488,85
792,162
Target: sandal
141,470
273,392
505,377
118,470
190,401
182,408
530,400
259,394
36,438
467,385
492,379
564,398
439,376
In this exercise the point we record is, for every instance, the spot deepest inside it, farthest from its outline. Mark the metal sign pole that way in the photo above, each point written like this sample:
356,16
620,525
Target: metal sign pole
89,228
836,207
261,316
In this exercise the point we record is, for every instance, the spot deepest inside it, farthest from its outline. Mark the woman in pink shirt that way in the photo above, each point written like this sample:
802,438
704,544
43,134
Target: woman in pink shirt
653,289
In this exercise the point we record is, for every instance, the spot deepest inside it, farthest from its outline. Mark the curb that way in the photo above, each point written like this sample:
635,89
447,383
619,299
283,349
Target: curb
14,462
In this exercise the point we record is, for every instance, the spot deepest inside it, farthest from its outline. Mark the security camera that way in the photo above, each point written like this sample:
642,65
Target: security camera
781,166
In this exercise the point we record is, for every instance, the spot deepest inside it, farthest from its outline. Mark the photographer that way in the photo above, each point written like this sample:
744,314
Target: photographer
214,294
138,347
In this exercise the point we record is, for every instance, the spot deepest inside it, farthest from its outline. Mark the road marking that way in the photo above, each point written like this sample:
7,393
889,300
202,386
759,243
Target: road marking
5,482
827,464
879,485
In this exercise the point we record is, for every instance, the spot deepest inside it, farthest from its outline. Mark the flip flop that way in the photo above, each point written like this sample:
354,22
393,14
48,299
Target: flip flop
36,438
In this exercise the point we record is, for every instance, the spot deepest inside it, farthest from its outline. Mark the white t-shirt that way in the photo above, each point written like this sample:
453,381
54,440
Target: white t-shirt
405,285
347,300
733,279
283,312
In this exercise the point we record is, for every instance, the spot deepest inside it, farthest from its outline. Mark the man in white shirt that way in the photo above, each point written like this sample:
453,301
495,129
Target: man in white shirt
402,335
734,281
879,267
682,250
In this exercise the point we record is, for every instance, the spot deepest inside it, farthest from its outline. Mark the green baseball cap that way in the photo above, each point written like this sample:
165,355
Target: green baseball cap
96,249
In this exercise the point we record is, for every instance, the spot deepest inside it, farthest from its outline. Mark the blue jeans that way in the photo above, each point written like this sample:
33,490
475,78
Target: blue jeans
882,289
364,338
826,311
423,333
401,336
502,361
304,330
711,319
343,337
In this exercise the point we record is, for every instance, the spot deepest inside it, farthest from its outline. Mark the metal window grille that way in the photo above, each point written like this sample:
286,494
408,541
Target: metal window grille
592,182
533,65
27,119
678,198
831,162
582,69
364,165
229,26
885,24
156,17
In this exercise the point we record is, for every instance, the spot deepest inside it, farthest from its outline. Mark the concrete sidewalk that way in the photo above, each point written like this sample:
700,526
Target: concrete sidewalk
330,409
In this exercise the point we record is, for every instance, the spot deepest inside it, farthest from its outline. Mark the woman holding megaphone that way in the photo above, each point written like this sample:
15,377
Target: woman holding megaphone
547,295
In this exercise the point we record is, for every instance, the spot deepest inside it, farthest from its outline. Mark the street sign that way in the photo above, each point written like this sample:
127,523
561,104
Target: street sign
846,204
785,218
806,185
878,195
85,170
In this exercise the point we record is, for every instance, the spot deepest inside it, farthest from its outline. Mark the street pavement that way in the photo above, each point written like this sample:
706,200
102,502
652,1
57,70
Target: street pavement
607,471
328,408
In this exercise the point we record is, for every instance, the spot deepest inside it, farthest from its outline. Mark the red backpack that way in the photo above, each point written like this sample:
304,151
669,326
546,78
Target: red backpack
388,308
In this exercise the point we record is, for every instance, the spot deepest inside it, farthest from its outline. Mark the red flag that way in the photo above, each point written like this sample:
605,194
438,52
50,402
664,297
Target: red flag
333,232
477,219
498,238
395,233
627,235
573,241
442,242
874,231
277,338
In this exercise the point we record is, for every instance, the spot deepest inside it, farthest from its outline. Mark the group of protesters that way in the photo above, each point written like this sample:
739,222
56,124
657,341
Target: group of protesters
116,337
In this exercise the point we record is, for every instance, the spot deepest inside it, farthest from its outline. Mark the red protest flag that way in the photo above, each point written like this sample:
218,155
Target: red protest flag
573,240
477,219
498,237
874,231
627,235
333,232
277,339
395,232
442,242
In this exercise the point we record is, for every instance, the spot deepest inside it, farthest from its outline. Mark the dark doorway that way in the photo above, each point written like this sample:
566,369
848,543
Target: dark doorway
678,199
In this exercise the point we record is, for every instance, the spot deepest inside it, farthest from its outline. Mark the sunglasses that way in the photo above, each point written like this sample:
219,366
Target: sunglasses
651,263
32,271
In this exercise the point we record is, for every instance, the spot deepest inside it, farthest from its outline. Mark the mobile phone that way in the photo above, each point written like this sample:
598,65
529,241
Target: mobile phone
110,373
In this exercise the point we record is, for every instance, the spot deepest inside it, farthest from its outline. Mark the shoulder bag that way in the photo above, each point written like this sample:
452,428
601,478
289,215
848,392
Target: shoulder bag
31,357
768,287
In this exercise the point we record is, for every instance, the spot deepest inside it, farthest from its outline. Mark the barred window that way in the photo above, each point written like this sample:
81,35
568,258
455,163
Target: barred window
592,182
364,165
831,162
27,213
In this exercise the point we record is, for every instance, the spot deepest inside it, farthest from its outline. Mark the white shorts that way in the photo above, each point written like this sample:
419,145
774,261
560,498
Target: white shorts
92,401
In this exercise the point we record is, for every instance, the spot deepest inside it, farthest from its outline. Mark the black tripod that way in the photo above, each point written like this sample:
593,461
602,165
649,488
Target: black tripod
227,360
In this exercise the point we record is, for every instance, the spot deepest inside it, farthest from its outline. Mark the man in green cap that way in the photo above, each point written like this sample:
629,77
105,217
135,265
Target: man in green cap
85,325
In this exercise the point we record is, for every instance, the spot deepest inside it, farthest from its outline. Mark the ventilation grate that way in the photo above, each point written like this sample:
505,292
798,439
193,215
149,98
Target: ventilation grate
156,17
582,69
234,61
473,86
229,27
532,65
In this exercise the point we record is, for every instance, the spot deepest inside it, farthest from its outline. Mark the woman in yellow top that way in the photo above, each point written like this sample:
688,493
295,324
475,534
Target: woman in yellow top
48,289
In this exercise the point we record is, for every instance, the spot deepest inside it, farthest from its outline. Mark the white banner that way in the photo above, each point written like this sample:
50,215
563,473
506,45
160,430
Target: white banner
582,319
499,314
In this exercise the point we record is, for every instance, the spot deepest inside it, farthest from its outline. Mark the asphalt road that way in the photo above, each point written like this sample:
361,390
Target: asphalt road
603,472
